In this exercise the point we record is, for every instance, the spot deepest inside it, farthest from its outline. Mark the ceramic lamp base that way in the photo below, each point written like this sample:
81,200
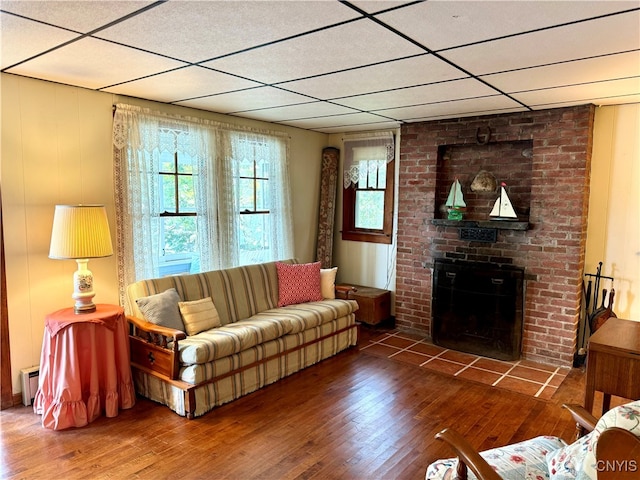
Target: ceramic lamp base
83,288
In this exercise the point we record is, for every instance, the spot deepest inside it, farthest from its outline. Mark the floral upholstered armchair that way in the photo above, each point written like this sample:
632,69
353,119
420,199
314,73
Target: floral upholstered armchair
610,450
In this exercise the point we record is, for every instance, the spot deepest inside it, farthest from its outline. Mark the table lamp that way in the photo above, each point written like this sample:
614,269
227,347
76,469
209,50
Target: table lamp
81,232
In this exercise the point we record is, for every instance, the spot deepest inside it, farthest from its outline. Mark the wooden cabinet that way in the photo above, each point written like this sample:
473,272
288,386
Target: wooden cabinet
374,303
613,362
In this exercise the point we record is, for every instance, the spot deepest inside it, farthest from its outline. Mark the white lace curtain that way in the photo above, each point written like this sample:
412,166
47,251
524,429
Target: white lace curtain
241,148
365,153
139,137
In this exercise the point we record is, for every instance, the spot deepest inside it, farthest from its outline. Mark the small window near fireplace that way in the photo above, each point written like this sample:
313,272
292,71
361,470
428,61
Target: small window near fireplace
367,197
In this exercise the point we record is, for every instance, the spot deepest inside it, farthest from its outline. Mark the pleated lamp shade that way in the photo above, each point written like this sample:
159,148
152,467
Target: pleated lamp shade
80,231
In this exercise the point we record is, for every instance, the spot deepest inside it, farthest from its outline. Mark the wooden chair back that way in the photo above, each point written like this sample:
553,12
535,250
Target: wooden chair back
618,455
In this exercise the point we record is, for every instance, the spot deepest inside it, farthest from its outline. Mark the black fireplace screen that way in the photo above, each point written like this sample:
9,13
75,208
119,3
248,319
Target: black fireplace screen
478,308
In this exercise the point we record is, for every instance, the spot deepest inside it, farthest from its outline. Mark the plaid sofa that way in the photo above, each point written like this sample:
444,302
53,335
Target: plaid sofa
257,343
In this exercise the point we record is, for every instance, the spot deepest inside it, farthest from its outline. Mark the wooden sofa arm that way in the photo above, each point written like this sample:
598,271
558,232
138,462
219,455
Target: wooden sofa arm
585,422
150,349
142,327
467,457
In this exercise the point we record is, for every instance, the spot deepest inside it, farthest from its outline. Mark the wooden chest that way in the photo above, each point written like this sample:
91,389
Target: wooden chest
374,303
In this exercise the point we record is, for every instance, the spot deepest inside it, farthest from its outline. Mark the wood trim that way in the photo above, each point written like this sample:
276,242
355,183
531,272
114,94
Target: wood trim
6,388
349,230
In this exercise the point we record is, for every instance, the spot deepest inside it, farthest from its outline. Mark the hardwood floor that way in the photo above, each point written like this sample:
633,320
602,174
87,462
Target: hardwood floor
354,416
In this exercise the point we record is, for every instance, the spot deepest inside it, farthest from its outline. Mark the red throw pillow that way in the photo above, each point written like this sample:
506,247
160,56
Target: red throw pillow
298,283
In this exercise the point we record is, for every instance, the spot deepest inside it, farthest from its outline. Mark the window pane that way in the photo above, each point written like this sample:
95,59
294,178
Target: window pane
362,175
369,210
382,174
261,194
245,191
262,169
185,163
168,198
372,173
254,239
179,236
167,162
245,168
187,193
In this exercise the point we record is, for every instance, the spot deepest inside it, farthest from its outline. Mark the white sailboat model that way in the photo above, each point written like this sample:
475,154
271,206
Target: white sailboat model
502,209
455,202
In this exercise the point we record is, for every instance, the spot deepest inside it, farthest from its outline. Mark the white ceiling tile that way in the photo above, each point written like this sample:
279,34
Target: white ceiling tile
437,92
41,37
321,52
327,50
197,31
582,71
395,74
588,93
475,106
455,23
374,6
356,119
463,114
182,84
384,125
92,63
81,16
599,102
580,40
255,98
300,111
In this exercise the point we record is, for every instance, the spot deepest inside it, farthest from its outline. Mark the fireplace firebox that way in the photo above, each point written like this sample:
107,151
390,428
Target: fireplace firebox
478,308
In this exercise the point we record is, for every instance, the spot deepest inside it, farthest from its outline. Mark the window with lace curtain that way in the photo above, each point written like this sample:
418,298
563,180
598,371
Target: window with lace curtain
177,211
194,195
252,172
367,202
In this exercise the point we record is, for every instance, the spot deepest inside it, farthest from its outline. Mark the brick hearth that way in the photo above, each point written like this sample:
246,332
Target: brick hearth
545,156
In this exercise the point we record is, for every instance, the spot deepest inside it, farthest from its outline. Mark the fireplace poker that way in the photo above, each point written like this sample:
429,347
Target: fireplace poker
580,355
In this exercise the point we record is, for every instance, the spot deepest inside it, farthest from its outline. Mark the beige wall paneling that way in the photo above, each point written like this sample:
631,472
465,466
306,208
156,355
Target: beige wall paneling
613,235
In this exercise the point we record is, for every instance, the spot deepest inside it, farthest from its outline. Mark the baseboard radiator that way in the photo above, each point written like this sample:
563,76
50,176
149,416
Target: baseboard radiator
29,377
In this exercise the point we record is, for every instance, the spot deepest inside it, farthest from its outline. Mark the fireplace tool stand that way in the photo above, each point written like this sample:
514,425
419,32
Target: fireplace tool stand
592,315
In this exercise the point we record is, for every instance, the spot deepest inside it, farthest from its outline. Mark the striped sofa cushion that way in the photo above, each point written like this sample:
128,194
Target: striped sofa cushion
232,338
311,314
268,325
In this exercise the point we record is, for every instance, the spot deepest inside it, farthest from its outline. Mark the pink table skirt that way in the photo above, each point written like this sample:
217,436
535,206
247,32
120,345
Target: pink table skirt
84,367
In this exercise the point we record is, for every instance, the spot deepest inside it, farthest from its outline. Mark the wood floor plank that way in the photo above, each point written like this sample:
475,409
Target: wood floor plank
354,416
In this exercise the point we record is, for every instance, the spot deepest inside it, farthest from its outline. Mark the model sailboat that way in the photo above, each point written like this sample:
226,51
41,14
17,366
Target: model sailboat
455,202
502,209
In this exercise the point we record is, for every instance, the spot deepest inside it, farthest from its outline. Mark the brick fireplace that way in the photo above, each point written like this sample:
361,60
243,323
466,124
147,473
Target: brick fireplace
544,157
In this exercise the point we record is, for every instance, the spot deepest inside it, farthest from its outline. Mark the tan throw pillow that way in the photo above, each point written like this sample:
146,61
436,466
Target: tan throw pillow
328,282
199,315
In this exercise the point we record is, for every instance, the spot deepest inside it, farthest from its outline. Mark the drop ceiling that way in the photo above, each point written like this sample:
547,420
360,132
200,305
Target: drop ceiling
334,66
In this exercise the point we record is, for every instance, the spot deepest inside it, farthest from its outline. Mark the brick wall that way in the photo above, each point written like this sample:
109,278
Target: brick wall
544,157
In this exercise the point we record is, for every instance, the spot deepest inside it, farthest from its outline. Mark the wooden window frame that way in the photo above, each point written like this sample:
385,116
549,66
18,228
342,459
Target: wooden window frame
175,175
255,178
349,229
